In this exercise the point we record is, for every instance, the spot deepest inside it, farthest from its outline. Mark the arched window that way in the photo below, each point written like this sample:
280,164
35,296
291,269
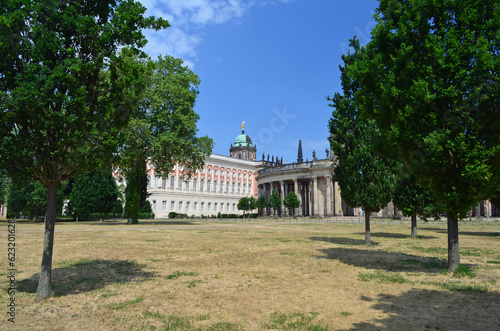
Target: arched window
208,186
244,189
233,189
172,182
180,184
221,187
215,186
187,184
201,185
239,188
195,184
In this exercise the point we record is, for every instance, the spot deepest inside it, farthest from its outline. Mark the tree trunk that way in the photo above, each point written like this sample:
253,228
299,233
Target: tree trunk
414,226
44,282
453,252
367,229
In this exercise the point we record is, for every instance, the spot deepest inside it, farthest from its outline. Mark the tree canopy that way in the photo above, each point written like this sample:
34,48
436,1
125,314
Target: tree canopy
430,81
163,129
291,201
65,93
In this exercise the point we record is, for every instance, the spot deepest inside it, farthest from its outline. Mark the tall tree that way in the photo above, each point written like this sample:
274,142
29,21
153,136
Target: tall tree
414,200
431,82
163,128
366,179
247,204
291,202
65,94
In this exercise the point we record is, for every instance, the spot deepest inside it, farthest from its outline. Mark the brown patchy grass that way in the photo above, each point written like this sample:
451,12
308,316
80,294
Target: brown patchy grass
258,275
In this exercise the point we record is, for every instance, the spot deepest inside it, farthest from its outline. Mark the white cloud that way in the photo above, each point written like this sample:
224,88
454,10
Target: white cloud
187,19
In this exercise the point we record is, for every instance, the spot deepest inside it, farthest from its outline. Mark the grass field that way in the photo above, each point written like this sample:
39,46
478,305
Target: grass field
258,275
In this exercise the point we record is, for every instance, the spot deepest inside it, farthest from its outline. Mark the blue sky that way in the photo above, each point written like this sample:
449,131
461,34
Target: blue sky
270,63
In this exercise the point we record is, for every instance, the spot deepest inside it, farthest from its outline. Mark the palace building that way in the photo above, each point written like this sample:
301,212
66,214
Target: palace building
216,188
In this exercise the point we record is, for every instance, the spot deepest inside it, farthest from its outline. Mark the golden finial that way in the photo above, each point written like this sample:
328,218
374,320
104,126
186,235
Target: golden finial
243,125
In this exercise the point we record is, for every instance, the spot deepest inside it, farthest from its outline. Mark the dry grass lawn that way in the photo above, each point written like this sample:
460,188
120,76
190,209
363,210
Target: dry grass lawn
259,275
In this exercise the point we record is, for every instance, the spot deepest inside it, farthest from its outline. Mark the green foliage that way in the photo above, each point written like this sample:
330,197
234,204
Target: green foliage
365,178
173,214
275,201
4,184
430,80
65,93
291,201
93,192
247,203
383,277
263,204
414,200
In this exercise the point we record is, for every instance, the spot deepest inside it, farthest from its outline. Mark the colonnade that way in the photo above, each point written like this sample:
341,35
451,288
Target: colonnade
318,195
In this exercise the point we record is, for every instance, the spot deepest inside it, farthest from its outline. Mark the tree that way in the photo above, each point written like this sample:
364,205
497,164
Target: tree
366,179
291,201
263,204
414,200
247,204
163,127
65,94
93,192
430,81
275,201
4,184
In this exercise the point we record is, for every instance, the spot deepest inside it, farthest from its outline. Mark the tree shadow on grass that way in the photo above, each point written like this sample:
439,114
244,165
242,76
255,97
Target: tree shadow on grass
382,260
88,275
493,234
395,235
343,241
421,309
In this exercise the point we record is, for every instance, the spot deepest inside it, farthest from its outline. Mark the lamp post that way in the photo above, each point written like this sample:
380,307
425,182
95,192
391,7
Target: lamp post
249,210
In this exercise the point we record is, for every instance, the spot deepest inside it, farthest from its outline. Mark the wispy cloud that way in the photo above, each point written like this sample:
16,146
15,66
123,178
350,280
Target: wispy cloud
187,19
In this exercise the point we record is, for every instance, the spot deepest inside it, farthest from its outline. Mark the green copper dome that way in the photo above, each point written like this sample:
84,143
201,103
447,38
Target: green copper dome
243,141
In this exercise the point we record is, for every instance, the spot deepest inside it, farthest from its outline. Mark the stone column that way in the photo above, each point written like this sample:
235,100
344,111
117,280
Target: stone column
298,192
338,200
315,205
282,196
328,195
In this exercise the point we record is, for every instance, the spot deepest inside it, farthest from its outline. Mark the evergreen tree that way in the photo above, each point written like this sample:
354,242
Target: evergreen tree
366,179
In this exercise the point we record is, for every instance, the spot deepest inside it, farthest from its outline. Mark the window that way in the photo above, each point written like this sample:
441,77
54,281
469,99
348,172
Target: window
244,176
202,170
233,189
234,174
244,189
180,205
156,182
239,188
208,206
202,206
187,184
149,181
154,204
187,205
208,186
215,186
180,184
227,187
234,207
195,205
172,205
195,184
215,206
215,172
239,175
163,183
227,207
221,187
244,154
209,171
227,173
172,182
201,185
163,205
